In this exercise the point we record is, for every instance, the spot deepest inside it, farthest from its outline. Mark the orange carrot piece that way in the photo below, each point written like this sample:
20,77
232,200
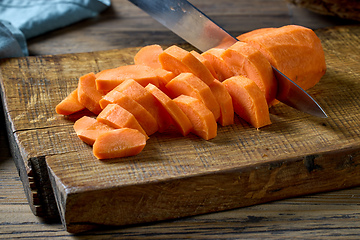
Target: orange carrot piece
178,60
204,61
295,50
180,120
190,85
149,56
255,32
70,104
221,69
143,116
202,119
83,123
225,102
88,95
248,100
118,143
118,117
138,93
110,78
88,129
246,60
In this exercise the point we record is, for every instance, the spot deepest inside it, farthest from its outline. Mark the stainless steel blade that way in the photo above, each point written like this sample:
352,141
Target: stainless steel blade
188,22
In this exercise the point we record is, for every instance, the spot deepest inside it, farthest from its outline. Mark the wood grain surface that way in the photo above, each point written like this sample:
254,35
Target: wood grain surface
330,215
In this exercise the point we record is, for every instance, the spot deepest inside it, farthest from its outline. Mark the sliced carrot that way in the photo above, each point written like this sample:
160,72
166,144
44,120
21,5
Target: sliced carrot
143,116
118,143
204,61
118,117
180,120
70,104
108,79
246,60
190,85
248,100
295,50
138,93
202,119
178,60
83,123
224,100
149,56
255,32
221,69
88,129
88,95
164,77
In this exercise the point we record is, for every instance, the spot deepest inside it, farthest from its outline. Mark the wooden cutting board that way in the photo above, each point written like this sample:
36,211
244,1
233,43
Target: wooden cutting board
178,176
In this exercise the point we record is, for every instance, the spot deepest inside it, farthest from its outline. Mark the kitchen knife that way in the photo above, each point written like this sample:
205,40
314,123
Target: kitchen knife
188,22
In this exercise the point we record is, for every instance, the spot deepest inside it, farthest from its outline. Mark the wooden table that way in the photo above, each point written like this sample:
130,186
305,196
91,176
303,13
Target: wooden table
331,215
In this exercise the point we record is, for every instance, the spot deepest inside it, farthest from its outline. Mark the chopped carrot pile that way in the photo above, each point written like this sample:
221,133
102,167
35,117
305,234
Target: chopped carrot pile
192,91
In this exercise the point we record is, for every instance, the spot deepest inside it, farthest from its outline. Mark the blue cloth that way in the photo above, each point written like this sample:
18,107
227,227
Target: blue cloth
24,19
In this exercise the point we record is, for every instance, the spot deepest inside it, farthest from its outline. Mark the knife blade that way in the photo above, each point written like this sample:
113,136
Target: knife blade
188,22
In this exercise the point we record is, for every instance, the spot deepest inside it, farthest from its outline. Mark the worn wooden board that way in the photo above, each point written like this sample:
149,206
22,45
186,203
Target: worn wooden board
178,176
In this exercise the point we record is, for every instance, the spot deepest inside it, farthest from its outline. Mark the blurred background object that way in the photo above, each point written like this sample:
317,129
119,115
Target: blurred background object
347,9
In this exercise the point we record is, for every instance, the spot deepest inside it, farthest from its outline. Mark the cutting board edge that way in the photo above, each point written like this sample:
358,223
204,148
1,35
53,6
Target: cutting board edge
312,168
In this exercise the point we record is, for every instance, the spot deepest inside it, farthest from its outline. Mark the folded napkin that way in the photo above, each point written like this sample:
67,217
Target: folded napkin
23,19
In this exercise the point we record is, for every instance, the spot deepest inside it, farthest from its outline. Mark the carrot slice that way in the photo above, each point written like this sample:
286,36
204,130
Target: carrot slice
108,79
118,143
83,123
248,100
246,60
221,69
88,129
180,120
178,60
202,119
204,61
190,85
70,104
137,92
88,95
118,117
143,116
164,77
149,56
224,100
295,50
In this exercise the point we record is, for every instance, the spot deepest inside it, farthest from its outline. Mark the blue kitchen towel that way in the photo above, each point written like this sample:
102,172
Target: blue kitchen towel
23,19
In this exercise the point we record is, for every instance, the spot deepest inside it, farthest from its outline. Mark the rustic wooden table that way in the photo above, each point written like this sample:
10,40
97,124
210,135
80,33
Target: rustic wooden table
331,215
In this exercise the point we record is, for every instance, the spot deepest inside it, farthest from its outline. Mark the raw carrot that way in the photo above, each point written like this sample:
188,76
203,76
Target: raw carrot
88,95
70,104
180,120
88,129
118,143
295,50
190,85
108,79
248,100
143,116
243,59
221,69
202,119
118,117
255,32
137,92
204,61
83,123
224,100
178,60
149,56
